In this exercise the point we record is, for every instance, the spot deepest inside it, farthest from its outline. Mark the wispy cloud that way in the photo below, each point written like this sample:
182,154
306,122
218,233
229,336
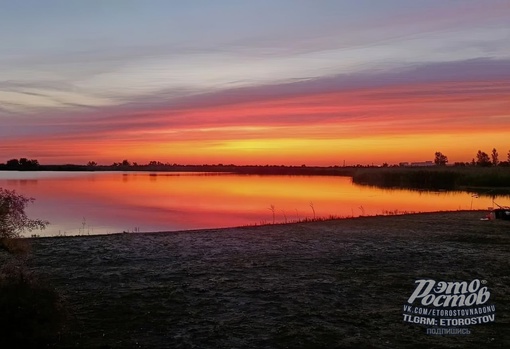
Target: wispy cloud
338,38
155,77
445,98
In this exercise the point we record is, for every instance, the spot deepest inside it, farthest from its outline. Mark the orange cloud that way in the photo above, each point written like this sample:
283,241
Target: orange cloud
404,118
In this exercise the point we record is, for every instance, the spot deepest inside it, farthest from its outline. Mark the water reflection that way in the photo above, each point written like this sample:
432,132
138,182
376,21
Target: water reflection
111,202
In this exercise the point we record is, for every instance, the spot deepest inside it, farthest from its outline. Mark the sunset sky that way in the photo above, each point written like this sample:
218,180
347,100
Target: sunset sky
288,82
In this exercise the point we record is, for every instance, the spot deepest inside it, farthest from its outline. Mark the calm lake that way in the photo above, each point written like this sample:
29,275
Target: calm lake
80,203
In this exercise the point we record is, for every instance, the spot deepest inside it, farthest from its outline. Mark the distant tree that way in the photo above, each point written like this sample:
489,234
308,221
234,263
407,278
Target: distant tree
126,163
23,164
91,163
156,163
508,156
473,162
13,163
494,156
440,159
482,159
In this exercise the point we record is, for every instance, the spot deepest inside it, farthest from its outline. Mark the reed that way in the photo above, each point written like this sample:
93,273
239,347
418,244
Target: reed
436,178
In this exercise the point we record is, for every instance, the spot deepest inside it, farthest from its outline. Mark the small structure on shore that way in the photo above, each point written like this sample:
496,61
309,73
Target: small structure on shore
502,212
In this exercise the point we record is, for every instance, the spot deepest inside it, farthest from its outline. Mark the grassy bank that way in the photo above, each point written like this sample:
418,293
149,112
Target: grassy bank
482,179
332,284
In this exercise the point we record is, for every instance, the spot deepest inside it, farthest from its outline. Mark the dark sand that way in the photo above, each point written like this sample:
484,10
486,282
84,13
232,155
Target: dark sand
333,284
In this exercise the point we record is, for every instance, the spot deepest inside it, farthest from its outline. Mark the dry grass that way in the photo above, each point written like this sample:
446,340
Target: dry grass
330,284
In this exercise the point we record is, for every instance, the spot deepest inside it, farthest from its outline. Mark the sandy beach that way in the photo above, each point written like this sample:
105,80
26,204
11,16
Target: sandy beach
331,284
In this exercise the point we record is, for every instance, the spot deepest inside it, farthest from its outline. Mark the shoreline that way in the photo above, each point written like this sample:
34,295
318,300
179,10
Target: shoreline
330,284
261,226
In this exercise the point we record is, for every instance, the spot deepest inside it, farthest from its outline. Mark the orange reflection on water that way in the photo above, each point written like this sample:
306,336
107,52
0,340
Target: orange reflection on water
109,202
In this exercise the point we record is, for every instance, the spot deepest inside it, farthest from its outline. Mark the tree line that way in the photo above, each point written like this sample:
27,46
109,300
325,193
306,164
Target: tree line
482,159
22,164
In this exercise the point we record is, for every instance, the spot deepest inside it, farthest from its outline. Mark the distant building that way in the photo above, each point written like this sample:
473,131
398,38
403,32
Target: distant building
422,163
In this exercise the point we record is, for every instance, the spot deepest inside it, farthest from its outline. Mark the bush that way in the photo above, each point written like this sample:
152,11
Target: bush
32,313
13,219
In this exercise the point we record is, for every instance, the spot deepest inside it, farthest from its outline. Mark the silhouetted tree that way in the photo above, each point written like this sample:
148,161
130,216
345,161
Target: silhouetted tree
482,159
126,163
494,155
13,163
22,164
440,159
508,156
33,164
91,163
